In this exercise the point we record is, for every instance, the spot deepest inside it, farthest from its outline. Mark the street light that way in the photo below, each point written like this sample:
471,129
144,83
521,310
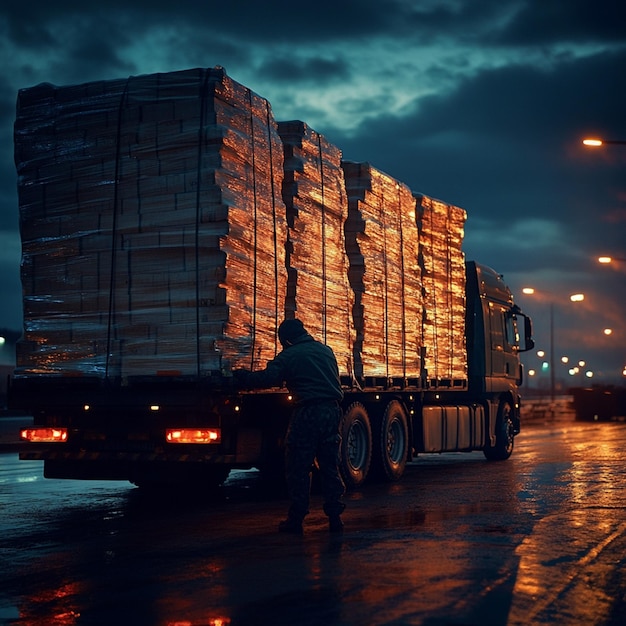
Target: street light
596,143
607,260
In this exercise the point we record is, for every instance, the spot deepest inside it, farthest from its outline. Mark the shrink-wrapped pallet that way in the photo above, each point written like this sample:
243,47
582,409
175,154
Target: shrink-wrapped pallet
382,245
443,276
152,225
314,193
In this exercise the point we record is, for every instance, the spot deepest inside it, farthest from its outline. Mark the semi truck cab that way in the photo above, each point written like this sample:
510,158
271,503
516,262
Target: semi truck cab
497,331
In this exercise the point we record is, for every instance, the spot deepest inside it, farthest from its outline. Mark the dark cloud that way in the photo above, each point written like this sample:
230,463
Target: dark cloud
528,22
582,21
305,70
91,48
278,20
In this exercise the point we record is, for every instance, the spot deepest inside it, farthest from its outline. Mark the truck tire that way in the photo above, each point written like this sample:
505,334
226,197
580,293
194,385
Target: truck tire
391,442
355,452
505,434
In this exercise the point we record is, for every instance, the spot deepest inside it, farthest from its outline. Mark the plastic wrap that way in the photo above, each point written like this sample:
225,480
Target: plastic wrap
314,193
442,265
152,226
382,245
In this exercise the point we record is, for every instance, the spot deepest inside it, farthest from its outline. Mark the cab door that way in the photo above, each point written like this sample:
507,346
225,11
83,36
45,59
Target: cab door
497,339
505,341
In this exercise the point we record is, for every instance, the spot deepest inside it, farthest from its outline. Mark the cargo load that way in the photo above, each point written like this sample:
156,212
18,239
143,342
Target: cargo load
318,290
382,242
153,226
442,265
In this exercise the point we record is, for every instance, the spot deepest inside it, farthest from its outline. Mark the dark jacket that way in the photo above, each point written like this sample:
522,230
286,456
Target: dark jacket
308,368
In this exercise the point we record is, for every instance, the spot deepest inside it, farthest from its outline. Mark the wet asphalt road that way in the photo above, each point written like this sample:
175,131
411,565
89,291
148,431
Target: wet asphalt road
538,539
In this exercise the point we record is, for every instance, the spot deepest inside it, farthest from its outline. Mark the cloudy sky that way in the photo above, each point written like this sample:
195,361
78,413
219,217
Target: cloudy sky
481,103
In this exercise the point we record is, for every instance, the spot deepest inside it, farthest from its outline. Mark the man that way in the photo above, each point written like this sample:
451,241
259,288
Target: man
309,369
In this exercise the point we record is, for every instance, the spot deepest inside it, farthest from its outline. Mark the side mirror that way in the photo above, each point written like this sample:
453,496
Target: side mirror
529,342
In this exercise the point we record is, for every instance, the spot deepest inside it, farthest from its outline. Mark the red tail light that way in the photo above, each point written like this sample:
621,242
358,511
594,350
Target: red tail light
193,435
44,435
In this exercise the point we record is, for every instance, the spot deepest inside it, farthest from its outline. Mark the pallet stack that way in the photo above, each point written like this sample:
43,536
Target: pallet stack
169,224
318,291
443,277
153,226
382,246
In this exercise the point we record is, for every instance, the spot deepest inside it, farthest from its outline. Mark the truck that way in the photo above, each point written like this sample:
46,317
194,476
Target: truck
169,224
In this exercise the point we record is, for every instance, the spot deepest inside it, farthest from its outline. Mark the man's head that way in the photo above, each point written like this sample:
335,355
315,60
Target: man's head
289,331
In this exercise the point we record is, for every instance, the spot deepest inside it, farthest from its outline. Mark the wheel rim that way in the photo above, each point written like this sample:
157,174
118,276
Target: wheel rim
357,446
396,443
507,428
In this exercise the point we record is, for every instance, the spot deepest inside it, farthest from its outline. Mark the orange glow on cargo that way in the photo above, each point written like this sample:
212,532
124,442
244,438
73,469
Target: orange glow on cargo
44,435
193,435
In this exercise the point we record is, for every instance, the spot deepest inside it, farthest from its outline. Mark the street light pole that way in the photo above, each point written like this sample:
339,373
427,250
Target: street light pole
576,297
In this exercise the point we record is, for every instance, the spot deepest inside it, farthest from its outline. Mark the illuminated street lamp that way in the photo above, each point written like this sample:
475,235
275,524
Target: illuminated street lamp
596,142
607,260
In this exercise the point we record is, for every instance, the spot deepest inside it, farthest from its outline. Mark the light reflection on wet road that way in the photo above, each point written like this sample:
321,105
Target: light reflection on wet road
538,539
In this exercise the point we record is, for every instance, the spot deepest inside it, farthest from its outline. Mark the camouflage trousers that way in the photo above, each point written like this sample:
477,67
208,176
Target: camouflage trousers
313,433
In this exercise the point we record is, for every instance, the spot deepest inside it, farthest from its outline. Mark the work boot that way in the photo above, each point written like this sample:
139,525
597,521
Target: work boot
335,525
290,525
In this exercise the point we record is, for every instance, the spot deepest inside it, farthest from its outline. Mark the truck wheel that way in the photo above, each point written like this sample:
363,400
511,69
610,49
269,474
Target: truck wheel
355,452
505,434
391,443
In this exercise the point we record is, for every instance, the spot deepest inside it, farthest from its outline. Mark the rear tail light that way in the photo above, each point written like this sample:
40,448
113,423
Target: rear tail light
193,435
44,435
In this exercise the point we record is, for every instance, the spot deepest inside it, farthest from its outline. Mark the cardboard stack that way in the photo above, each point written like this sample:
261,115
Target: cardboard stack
382,246
443,277
169,224
314,193
152,224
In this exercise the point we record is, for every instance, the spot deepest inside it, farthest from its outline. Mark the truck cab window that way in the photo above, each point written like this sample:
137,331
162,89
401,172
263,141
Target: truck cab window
497,328
512,332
